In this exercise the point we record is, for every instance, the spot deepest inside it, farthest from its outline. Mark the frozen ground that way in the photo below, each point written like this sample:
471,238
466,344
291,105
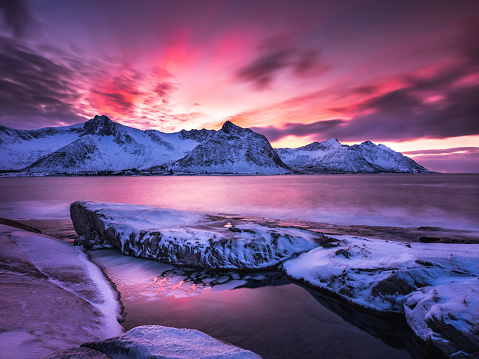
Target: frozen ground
188,238
52,297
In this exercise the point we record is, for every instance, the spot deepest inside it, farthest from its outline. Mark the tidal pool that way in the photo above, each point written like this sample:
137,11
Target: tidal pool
262,311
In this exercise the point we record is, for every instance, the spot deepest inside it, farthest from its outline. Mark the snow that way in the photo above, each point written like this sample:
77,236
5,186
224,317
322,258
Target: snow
56,258
435,285
56,297
188,238
446,314
103,145
156,341
332,157
378,274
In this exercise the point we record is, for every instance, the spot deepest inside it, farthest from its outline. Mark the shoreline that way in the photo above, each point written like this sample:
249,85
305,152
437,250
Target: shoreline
63,229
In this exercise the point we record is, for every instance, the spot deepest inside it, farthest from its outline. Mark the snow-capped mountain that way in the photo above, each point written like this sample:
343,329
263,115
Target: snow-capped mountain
20,148
102,145
233,149
96,145
332,157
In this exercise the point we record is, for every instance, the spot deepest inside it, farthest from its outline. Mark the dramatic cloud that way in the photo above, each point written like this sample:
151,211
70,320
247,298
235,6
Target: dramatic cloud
277,55
34,89
442,105
458,160
444,151
298,129
16,15
163,89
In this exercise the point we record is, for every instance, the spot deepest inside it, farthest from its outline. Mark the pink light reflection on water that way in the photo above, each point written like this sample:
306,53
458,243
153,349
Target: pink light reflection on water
449,201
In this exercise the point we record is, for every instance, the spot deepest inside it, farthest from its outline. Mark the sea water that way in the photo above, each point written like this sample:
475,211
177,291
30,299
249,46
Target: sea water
403,200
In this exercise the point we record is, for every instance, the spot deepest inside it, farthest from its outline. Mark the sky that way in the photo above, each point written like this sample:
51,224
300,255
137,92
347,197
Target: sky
403,73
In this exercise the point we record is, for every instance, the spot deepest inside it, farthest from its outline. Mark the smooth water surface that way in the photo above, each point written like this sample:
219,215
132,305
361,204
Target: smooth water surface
263,312
443,200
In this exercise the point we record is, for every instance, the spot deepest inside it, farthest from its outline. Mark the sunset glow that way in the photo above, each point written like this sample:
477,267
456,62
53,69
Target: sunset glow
402,73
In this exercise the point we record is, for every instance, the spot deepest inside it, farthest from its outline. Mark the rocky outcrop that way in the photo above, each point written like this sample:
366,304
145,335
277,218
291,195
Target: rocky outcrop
447,317
187,238
156,341
435,285
378,274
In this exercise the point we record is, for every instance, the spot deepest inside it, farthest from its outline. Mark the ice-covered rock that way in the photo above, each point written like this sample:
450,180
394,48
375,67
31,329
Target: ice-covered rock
187,238
156,341
447,316
52,298
378,274
436,285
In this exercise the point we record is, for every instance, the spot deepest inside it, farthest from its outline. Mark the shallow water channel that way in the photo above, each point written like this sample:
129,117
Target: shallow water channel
263,311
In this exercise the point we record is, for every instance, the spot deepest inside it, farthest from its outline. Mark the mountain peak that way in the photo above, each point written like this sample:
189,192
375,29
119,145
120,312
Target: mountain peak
100,125
332,142
229,127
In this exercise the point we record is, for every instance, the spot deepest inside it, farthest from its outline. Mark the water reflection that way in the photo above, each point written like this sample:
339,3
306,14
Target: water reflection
448,201
392,329
263,311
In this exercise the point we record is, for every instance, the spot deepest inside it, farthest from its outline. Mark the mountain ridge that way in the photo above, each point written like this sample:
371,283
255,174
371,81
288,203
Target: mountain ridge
101,145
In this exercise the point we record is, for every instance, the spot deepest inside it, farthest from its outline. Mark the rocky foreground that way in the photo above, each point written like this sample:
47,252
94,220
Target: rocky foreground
52,297
56,304
186,238
435,285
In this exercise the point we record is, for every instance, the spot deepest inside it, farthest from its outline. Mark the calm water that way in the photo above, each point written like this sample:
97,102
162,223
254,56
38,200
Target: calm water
449,200
263,312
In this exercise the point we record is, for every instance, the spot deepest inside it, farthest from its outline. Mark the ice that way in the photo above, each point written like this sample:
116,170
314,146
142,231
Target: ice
447,315
436,285
229,285
379,274
56,297
155,341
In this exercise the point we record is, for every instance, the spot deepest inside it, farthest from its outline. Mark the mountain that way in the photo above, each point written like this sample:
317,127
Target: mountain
102,146
96,145
20,148
234,150
333,157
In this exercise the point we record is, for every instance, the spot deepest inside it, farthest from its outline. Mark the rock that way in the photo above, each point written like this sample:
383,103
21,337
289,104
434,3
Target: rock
378,274
447,317
187,238
52,297
156,341
77,353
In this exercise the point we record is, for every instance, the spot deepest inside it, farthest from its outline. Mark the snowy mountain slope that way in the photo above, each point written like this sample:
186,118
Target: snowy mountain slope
332,157
104,145
96,145
233,149
20,148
